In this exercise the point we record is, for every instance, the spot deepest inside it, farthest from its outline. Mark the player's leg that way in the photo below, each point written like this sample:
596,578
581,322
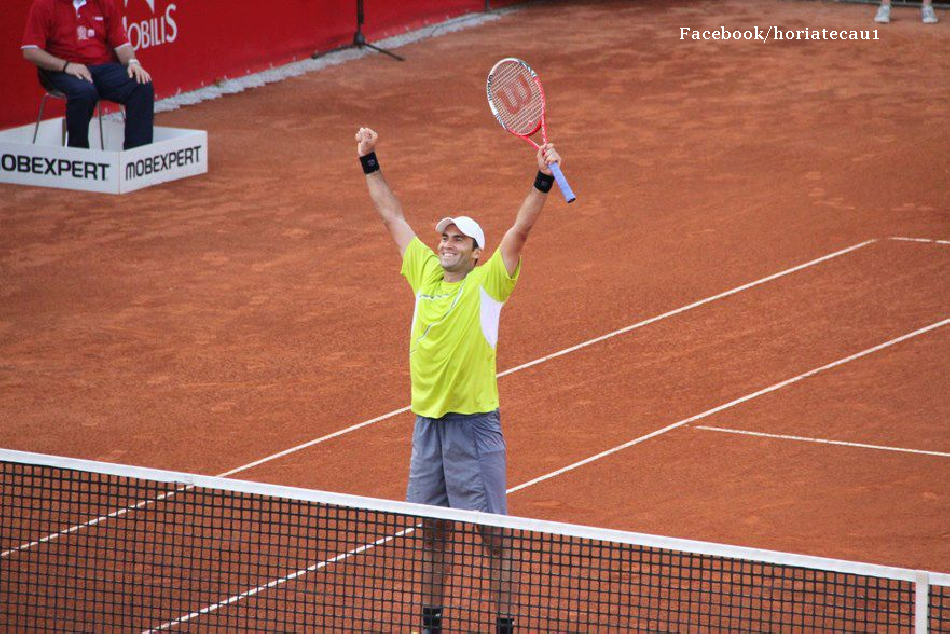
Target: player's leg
114,84
927,15
81,100
475,463
501,568
427,486
436,547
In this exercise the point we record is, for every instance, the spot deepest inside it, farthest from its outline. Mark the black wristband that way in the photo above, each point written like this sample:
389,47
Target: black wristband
65,64
543,182
370,164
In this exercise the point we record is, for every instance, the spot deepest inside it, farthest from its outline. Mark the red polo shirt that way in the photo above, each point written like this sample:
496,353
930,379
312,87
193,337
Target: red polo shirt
88,35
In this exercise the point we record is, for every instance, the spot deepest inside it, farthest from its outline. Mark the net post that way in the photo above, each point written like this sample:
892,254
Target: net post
922,602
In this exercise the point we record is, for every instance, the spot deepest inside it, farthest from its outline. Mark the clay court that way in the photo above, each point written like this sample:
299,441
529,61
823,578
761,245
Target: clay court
761,244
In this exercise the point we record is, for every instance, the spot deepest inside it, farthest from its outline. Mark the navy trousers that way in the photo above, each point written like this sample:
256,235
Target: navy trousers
110,82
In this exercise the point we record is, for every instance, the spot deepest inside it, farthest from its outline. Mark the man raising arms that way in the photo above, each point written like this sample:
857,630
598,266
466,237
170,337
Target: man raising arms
458,449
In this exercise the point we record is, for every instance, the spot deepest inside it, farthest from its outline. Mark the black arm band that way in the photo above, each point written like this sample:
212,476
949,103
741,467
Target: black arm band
370,164
543,182
65,64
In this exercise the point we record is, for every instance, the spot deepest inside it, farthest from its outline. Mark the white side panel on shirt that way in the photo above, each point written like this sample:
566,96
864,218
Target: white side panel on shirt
489,313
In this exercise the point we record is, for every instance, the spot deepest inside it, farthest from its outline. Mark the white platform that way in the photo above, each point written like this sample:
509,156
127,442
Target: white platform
175,154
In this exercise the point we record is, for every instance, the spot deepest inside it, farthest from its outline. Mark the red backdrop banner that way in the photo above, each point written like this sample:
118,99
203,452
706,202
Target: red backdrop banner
187,44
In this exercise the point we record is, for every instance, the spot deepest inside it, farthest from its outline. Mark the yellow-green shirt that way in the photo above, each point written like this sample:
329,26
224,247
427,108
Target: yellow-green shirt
454,335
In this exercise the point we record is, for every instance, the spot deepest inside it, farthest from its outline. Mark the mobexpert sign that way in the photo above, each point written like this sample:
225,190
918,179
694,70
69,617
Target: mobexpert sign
44,165
175,154
163,162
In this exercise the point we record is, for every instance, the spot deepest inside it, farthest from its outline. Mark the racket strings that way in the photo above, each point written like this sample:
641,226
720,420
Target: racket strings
516,98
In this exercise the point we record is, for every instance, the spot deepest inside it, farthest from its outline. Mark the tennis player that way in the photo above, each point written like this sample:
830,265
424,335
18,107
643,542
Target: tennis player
458,450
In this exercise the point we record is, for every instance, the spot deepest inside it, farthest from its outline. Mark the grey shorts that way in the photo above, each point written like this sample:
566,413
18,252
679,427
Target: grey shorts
459,461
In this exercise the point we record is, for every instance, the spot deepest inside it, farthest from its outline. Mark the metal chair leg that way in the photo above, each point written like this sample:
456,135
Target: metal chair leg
65,135
102,143
39,117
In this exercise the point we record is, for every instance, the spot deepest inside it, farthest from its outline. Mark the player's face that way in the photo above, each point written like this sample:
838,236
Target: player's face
457,251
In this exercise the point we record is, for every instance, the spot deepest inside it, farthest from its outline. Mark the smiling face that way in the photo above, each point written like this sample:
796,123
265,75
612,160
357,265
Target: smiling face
457,252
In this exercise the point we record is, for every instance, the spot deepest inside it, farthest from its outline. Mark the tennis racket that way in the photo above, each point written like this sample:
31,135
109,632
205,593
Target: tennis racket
516,99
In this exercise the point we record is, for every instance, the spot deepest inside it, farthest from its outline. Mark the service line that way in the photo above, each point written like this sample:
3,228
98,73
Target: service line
823,441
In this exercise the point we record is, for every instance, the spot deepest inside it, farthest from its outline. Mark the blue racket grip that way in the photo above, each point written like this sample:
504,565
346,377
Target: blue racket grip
562,182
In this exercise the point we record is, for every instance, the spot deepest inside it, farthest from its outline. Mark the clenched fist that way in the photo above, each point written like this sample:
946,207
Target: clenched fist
366,138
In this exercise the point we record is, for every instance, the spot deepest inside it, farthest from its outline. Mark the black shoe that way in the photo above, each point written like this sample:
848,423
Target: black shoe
431,620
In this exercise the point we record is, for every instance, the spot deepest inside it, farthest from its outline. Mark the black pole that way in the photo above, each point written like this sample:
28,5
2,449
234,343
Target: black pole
359,40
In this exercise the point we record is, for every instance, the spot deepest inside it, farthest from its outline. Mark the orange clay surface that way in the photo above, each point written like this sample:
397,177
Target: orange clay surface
208,323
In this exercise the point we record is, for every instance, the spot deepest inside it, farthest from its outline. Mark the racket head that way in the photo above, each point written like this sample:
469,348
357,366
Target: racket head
515,97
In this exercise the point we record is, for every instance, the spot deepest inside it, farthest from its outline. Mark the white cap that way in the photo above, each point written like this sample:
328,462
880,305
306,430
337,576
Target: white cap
467,226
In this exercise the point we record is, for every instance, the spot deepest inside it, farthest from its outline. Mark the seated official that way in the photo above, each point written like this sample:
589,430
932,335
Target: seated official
85,51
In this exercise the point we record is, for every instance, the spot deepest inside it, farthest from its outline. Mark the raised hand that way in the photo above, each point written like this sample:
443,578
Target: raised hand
547,155
366,138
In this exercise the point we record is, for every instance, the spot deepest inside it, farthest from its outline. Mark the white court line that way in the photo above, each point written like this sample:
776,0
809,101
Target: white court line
697,304
315,441
92,522
278,582
823,441
603,454
921,240
738,401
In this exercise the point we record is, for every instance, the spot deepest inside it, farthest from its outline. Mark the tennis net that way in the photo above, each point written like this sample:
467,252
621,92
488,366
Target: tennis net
97,546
